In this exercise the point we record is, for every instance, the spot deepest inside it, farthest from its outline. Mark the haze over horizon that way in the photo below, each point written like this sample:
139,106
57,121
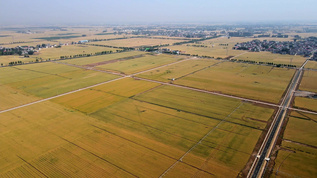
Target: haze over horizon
37,12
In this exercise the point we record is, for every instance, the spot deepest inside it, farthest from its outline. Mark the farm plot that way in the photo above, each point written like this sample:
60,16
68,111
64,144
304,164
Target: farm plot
221,52
70,50
176,71
227,148
308,82
48,140
31,43
297,155
222,159
250,81
11,97
306,103
217,47
93,99
5,60
102,58
51,79
275,58
140,64
137,42
311,65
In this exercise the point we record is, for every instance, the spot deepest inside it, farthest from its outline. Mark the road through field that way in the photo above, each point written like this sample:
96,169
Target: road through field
263,157
133,76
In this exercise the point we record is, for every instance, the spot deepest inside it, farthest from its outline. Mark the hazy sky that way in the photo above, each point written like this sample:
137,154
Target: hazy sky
45,12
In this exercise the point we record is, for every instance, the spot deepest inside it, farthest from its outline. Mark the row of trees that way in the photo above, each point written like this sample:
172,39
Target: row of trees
263,63
91,54
108,46
195,40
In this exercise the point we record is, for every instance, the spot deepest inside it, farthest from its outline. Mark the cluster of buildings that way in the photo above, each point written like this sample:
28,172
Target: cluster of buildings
175,33
20,50
29,50
303,47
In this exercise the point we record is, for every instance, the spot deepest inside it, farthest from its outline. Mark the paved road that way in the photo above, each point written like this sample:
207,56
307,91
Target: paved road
258,167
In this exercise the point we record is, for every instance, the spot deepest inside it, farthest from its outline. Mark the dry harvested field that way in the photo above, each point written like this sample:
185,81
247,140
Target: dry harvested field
137,42
297,155
275,58
246,80
308,82
140,63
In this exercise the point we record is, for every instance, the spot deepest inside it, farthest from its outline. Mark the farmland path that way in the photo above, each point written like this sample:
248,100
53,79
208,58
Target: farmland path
262,159
139,78
199,141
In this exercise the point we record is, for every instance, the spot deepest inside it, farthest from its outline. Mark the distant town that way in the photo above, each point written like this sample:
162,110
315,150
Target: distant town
303,47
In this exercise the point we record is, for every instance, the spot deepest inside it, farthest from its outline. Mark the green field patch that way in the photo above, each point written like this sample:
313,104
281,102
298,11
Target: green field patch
140,64
70,160
136,42
191,101
308,82
217,161
58,37
302,130
51,85
246,80
93,99
178,70
63,34
186,171
274,58
295,160
70,50
102,58
311,65
127,87
11,97
48,68
180,130
14,74
306,103
235,137
251,115
88,101
31,131
125,154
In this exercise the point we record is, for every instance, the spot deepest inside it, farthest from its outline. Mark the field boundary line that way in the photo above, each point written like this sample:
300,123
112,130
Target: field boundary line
32,166
63,94
198,114
158,152
199,70
94,154
199,142
211,92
